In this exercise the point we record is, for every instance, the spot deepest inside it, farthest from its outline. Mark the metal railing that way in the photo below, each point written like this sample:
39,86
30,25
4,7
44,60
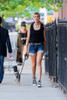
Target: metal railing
56,53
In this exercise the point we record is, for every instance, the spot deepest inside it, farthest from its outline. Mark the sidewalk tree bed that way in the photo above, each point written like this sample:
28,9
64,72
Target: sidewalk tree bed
25,7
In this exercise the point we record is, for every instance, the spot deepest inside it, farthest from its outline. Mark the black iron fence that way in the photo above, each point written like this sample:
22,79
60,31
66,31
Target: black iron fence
50,57
56,52
62,53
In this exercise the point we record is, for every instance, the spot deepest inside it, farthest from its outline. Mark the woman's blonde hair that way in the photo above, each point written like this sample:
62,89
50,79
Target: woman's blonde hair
36,13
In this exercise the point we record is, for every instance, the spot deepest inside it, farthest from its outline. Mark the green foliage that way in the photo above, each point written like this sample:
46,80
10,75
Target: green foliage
26,7
17,27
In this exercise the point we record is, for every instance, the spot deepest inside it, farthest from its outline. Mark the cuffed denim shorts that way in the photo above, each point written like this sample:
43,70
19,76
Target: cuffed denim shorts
36,48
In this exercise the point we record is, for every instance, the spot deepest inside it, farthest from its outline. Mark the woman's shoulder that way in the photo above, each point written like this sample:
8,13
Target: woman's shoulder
42,24
31,24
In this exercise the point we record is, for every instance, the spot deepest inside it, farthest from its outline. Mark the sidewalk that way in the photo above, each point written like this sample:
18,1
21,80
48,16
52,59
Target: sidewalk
10,91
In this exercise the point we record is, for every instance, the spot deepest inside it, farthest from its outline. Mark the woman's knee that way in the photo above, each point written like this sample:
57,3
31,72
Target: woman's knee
38,63
33,65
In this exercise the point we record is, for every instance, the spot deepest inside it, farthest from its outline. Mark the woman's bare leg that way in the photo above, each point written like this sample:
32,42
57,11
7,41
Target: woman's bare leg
39,66
33,60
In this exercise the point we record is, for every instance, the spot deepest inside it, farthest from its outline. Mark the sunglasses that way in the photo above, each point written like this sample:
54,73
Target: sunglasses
36,16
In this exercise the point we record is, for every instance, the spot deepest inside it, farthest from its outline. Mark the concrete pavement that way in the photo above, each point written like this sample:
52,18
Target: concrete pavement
11,91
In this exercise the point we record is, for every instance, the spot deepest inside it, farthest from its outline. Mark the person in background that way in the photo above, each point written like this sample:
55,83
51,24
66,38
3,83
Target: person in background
37,45
21,41
4,44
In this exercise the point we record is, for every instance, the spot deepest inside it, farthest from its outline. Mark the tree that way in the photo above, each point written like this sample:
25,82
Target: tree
25,7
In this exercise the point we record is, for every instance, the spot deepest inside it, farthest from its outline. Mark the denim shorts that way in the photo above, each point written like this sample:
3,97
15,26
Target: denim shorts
36,48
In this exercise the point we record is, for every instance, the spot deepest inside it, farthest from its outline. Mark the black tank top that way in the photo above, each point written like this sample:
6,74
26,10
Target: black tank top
36,36
23,35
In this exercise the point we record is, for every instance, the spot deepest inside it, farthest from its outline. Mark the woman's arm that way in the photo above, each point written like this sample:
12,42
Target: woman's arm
24,38
44,38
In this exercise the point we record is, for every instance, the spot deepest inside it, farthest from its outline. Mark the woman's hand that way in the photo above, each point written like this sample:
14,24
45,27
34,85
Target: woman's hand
24,38
19,31
10,55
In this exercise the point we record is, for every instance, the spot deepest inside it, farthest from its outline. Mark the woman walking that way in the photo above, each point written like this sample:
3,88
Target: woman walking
21,42
37,39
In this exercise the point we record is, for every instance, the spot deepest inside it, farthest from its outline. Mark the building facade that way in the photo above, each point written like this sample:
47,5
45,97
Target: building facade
62,11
